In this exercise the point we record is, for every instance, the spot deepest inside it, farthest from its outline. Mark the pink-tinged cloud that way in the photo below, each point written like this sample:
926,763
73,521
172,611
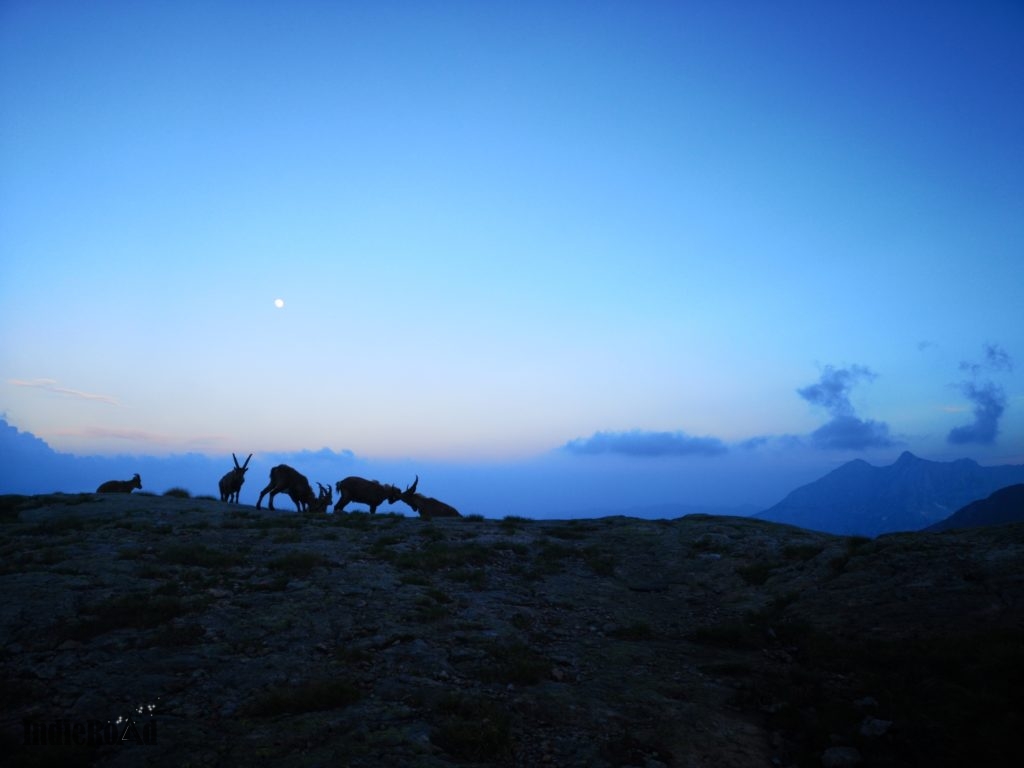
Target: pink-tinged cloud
136,435
50,385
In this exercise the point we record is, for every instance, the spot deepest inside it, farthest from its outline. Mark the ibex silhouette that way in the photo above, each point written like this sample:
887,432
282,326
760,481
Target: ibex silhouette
231,483
284,479
362,491
121,486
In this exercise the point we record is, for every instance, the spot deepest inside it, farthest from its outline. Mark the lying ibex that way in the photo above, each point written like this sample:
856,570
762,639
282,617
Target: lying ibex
231,483
320,504
284,479
368,492
121,486
425,506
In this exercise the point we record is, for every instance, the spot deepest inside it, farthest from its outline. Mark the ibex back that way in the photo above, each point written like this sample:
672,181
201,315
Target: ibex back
284,479
121,486
362,491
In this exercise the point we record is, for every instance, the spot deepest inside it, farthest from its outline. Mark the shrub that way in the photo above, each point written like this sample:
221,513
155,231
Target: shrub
473,728
310,696
131,611
638,630
755,573
199,555
297,563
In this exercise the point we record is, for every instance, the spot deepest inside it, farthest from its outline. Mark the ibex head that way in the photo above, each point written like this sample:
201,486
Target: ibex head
244,466
412,488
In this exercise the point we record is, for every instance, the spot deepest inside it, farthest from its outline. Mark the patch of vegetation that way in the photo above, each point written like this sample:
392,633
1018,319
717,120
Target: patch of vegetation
515,547
512,523
567,532
472,728
801,552
514,662
345,654
729,634
10,508
474,578
431,532
436,556
131,611
275,521
414,579
287,537
199,555
176,636
130,553
359,521
12,503
177,493
757,573
297,564
600,562
551,558
428,611
310,696
277,584
380,547
705,543
66,524
473,518
638,630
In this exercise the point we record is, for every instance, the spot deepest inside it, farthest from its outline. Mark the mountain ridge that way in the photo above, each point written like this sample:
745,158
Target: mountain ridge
911,494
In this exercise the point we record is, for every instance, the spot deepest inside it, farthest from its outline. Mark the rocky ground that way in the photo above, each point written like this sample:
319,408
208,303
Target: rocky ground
236,636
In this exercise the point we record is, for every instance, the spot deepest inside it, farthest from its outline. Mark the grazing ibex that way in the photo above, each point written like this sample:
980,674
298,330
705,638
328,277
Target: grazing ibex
425,506
231,483
320,504
284,479
121,486
368,492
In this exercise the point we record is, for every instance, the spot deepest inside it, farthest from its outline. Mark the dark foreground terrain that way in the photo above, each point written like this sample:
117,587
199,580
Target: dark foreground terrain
233,636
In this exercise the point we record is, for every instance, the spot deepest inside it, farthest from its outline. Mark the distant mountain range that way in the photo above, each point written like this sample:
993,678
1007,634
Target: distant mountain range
1004,506
908,495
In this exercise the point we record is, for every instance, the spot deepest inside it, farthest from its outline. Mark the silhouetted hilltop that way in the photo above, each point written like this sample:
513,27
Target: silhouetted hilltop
1004,506
239,636
908,495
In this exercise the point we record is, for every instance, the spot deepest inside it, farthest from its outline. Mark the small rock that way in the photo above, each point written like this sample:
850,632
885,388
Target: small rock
872,726
840,757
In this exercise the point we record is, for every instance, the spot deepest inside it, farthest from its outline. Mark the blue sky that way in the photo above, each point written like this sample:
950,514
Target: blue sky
696,247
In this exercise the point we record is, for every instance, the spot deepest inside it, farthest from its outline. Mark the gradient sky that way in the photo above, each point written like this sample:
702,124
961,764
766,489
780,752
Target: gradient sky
681,236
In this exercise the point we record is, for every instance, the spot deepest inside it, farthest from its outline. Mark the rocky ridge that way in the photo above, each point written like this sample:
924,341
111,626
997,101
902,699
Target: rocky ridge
244,636
910,494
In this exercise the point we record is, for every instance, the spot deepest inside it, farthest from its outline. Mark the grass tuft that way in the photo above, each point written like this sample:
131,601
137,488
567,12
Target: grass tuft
310,696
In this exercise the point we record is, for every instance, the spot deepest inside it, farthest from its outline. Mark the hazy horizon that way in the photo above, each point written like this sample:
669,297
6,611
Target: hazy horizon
587,252
555,485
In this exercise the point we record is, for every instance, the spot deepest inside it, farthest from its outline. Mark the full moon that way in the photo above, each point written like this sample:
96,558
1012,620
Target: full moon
278,303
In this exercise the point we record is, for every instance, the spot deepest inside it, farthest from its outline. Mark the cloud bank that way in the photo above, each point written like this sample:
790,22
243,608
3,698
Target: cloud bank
989,403
641,443
845,430
988,397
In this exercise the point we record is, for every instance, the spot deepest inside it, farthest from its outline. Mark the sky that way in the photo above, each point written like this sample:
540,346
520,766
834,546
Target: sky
655,252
